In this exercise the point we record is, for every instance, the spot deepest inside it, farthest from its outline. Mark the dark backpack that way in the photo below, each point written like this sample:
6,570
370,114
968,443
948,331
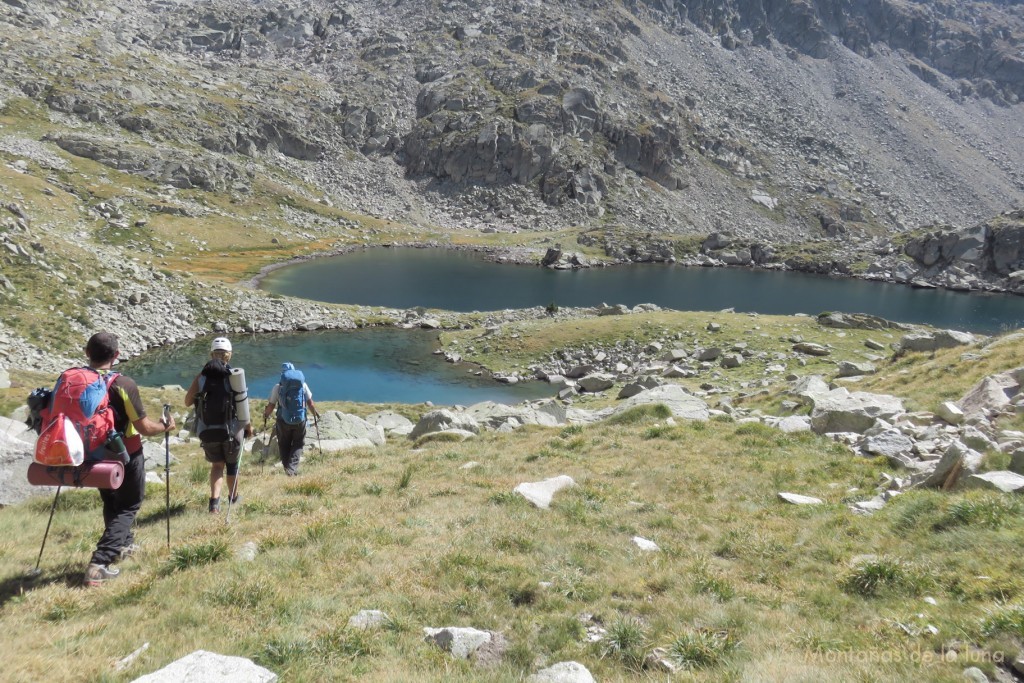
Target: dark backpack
291,398
215,403
38,408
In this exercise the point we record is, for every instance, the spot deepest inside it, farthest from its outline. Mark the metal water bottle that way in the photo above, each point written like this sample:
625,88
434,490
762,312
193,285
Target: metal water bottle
116,447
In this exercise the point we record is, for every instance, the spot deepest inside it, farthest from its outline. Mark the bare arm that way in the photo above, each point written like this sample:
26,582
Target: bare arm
190,395
271,402
148,427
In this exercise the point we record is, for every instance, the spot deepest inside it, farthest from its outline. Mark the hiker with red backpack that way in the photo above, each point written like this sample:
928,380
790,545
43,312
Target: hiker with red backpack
218,425
290,396
105,410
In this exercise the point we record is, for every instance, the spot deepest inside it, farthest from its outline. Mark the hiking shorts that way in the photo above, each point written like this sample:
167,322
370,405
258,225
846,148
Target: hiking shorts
224,451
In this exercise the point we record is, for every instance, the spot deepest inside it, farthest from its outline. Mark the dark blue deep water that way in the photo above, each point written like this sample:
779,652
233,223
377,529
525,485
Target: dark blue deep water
389,365
460,281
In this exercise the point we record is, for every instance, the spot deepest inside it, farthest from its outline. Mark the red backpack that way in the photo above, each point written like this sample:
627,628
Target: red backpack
81,400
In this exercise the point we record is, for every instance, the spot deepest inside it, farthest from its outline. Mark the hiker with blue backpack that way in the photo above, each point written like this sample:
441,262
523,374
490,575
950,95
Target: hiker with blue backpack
220,428
292,398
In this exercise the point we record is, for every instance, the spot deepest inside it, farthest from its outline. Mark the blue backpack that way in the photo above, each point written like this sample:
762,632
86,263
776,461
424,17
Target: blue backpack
291,398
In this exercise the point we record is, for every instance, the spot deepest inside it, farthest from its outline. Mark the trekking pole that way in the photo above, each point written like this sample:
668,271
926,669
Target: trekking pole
316,423
234,487
167,469
35,572
265,447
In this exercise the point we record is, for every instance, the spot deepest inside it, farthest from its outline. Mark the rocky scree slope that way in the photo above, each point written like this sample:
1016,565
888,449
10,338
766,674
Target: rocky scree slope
784,121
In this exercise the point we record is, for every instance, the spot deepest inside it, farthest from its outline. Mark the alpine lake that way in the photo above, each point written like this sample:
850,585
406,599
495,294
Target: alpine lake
388,365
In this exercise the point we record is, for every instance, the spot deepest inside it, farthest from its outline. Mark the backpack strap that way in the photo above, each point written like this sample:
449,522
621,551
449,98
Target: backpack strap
108,377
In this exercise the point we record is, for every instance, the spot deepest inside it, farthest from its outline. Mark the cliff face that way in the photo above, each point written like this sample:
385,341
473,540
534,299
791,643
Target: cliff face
777,120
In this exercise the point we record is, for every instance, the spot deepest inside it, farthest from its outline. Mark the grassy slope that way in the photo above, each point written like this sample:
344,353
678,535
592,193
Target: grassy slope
411,533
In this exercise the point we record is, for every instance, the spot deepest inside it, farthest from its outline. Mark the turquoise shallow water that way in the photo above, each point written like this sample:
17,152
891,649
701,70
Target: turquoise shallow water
366,366
390,365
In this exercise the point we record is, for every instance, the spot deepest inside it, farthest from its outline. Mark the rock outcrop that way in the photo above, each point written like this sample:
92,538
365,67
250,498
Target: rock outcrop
210,666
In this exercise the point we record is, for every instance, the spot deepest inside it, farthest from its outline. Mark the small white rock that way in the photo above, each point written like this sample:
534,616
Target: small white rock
367,618
563,672
797,499
645,545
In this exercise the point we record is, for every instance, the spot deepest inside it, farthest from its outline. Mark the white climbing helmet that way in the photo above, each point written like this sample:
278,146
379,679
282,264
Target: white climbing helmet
220,344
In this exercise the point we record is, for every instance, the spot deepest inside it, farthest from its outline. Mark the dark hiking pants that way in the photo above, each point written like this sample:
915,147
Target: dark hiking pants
120,506
291,439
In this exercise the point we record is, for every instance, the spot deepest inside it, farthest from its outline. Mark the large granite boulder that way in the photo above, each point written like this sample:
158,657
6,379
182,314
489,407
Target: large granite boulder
1007,482
337,426
391,422
811,349
854,321
17,444
990,396
956,462
209,667
494,415
891,443
933,341
461,642
842,411
640,385
673,396
442,420
596,382
854,369
808,387
562,672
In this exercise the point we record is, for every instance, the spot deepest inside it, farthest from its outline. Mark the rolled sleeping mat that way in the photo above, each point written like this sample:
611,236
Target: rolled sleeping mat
106,474
237,382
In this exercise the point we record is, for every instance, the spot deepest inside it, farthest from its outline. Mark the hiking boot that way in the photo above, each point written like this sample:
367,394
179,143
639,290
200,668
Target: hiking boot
130,551
214,505
235,498
98,574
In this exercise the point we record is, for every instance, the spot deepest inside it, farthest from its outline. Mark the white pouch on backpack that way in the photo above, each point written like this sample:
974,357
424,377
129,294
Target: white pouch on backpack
59,444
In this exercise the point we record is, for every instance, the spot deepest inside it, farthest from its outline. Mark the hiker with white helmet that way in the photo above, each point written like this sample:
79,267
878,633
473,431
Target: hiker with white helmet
219,428
290,396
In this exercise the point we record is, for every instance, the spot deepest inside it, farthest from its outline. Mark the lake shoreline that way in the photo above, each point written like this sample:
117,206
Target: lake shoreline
525,256
378,277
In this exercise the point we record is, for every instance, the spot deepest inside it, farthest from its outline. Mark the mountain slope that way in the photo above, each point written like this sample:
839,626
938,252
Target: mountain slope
882,115
211,139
